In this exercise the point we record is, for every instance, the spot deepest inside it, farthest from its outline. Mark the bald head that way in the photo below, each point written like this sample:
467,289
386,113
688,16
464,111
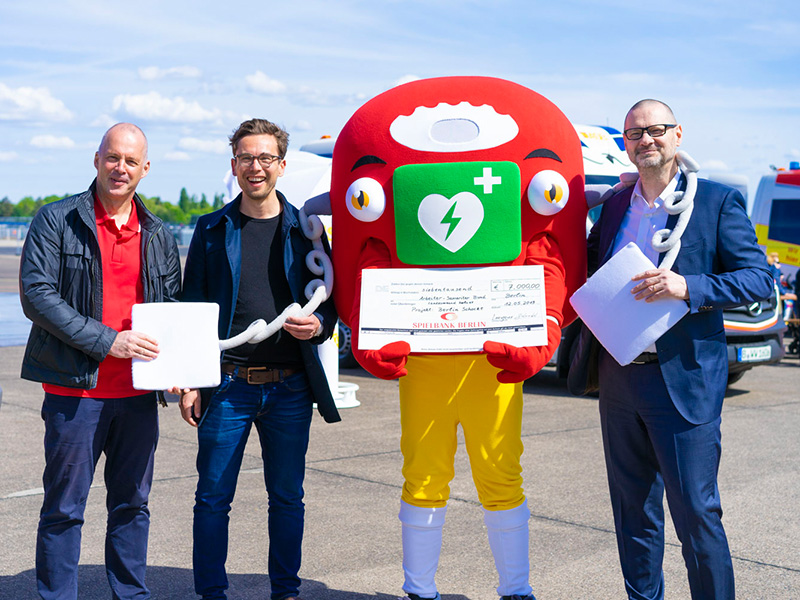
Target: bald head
649,103
123,128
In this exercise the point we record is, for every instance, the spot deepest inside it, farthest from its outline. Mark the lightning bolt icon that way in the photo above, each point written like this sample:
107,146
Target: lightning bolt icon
450,220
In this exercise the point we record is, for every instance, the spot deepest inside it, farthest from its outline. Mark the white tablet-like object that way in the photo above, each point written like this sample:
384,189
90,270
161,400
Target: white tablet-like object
623,325
188,345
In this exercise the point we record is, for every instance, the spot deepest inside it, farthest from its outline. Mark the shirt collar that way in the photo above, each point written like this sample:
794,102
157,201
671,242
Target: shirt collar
105,220
637,196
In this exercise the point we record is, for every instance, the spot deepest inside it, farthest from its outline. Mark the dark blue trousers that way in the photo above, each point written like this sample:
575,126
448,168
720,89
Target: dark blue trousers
649,449
77,431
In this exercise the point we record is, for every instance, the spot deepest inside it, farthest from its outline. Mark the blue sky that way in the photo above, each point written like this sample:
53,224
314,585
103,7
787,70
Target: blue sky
189,72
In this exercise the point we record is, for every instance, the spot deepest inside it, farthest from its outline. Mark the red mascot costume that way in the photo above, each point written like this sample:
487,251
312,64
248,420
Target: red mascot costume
450,173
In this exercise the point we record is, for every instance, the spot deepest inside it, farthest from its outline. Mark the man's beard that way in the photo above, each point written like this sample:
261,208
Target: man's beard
651,161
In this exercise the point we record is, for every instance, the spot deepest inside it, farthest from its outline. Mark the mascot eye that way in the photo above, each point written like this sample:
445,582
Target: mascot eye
365,199
548,192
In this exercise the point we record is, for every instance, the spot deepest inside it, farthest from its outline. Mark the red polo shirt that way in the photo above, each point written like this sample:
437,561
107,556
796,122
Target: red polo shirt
122,288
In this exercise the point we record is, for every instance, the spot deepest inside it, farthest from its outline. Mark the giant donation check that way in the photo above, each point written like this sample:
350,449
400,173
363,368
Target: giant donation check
453,310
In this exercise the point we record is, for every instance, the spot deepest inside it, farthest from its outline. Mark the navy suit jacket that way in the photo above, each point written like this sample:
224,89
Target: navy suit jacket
213,270
723,266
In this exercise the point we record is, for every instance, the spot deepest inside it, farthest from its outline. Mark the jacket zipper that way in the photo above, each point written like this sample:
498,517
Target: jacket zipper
148,295
92,311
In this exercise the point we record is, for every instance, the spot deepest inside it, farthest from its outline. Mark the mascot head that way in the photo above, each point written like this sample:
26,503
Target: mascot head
457,172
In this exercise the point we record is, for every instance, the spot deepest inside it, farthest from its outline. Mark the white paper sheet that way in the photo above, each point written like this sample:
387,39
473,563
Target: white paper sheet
187,341
623,325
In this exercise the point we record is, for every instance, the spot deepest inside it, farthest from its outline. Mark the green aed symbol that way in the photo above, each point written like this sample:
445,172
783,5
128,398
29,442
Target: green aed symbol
457,213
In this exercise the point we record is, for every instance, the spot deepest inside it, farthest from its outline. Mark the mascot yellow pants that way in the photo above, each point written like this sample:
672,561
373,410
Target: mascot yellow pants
440,392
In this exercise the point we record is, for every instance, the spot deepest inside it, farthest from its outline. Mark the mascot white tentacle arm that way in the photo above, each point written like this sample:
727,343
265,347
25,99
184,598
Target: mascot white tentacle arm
317,290
681,204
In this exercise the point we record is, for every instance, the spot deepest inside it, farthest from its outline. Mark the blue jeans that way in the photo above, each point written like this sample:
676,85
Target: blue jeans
77,431
281,412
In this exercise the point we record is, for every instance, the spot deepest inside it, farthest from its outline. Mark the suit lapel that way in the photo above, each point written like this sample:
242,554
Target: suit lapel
613,212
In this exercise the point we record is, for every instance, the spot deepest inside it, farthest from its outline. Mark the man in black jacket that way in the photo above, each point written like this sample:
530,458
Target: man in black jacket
87,260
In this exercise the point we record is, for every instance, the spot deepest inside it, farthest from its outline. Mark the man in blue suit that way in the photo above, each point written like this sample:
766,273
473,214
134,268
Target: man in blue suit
660,415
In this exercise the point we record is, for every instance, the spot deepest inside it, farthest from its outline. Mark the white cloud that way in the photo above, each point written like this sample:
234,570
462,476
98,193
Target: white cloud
177,156
405,79
152,73
786,29
198,145
52,142
31,104
155,107
261,83
309,96
793,153
105,121
8,156
302,125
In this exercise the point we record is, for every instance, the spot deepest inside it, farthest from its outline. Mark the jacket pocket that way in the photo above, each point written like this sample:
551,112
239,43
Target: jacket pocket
57,362
38,343
157,274
75,276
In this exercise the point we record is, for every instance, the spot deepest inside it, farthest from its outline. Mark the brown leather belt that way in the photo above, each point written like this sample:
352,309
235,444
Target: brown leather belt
258,375
645,358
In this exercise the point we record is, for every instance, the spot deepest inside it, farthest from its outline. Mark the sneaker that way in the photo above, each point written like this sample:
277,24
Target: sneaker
410,596
518,597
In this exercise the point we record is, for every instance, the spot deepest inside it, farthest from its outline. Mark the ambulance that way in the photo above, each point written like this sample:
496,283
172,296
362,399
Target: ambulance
776,216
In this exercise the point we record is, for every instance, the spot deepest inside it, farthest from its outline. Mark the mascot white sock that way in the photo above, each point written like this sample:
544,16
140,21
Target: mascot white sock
508,539
422,543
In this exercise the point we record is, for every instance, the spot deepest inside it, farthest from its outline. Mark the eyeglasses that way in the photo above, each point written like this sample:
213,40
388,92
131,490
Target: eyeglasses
265,160
636,133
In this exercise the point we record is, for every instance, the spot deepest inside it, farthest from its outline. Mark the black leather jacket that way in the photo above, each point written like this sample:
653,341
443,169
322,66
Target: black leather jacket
61,288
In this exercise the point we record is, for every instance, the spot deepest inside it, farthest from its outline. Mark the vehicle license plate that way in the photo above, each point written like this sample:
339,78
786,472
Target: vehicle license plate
755,353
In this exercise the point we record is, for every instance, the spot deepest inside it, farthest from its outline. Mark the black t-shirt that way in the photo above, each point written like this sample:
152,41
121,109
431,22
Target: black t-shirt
263,294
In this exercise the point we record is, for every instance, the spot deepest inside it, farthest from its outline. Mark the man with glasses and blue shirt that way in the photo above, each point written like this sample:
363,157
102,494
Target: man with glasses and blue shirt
660,415
249,257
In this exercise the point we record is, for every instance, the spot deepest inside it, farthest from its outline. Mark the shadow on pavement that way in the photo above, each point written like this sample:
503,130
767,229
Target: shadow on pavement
170,583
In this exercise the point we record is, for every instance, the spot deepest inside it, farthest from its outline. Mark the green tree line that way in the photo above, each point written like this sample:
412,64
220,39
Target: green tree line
186,211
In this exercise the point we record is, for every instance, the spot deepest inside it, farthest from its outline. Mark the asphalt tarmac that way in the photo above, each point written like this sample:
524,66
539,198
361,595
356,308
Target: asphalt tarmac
352,536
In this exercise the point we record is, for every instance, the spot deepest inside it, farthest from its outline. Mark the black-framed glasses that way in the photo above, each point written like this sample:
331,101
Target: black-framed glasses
636,133
265,160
